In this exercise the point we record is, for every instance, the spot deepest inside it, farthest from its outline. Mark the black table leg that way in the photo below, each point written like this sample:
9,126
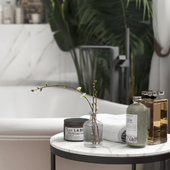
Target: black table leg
52,161
162,165
133,166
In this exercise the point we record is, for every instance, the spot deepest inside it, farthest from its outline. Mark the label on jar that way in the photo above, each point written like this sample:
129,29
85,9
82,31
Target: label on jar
75,134
131,128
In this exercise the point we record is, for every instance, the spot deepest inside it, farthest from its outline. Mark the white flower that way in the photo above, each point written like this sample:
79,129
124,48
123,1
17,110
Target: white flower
91,103
79,88
83,95
97,108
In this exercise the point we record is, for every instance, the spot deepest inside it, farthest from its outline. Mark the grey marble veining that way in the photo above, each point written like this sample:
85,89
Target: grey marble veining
30,55
13,2
109,149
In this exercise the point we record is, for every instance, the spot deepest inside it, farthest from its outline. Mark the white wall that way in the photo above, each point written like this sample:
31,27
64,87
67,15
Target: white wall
30,55
13,2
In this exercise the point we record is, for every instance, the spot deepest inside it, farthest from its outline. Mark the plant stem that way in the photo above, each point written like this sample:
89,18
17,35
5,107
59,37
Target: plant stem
93,106
123,10
64,87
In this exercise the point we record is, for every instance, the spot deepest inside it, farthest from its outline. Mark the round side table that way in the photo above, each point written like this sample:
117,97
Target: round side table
109,153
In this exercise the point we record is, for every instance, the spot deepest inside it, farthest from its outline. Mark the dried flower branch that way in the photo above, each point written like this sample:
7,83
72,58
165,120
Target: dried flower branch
92,104
83,95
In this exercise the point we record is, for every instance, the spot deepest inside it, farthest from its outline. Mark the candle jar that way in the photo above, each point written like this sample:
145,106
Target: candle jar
73,129
36,18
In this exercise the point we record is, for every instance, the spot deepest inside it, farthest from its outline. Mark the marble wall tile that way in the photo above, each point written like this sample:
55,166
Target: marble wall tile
30,55
13,2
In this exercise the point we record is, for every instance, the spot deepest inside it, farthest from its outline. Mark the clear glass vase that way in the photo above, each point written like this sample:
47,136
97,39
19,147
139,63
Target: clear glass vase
93,133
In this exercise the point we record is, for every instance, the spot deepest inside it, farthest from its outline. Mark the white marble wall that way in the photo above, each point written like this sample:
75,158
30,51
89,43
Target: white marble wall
13,2
30,55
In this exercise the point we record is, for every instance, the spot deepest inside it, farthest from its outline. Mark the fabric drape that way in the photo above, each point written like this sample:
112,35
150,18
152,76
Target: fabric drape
160,65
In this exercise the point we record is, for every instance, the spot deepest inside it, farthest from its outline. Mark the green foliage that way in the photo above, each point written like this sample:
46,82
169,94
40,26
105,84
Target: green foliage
62,23
142,65
98,22
108,20
147,7
94,65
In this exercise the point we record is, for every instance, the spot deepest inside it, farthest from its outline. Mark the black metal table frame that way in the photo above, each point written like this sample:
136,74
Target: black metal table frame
109,160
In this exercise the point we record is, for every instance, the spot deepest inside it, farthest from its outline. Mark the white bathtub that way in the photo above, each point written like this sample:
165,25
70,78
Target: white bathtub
28,120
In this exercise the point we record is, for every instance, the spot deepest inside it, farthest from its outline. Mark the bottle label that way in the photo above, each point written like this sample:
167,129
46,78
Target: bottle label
131,128
75,134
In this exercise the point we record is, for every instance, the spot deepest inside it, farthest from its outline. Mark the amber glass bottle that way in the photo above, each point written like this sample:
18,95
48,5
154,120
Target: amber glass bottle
157,116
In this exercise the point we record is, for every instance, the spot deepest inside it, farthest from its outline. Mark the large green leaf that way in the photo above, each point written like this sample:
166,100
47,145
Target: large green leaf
49,5
109,19
61,42
60,19
146,7
97,22
142,65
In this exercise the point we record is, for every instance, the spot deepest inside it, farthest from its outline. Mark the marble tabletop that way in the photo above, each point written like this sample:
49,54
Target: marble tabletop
108,149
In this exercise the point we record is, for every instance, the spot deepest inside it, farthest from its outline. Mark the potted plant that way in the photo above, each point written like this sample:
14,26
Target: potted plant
98,22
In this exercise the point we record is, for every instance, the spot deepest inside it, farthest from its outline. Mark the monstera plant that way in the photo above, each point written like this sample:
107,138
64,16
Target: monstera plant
97,22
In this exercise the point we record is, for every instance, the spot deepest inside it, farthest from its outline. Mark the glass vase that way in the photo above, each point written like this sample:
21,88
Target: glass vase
93,133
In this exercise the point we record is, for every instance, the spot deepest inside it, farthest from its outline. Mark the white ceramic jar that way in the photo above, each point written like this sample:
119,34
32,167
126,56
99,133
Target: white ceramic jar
8,13
36,18
19,14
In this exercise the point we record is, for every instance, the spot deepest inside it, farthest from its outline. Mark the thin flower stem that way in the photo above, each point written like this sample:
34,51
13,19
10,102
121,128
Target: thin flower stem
40,88
98,133
93,106
94,123
95,102
93,130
